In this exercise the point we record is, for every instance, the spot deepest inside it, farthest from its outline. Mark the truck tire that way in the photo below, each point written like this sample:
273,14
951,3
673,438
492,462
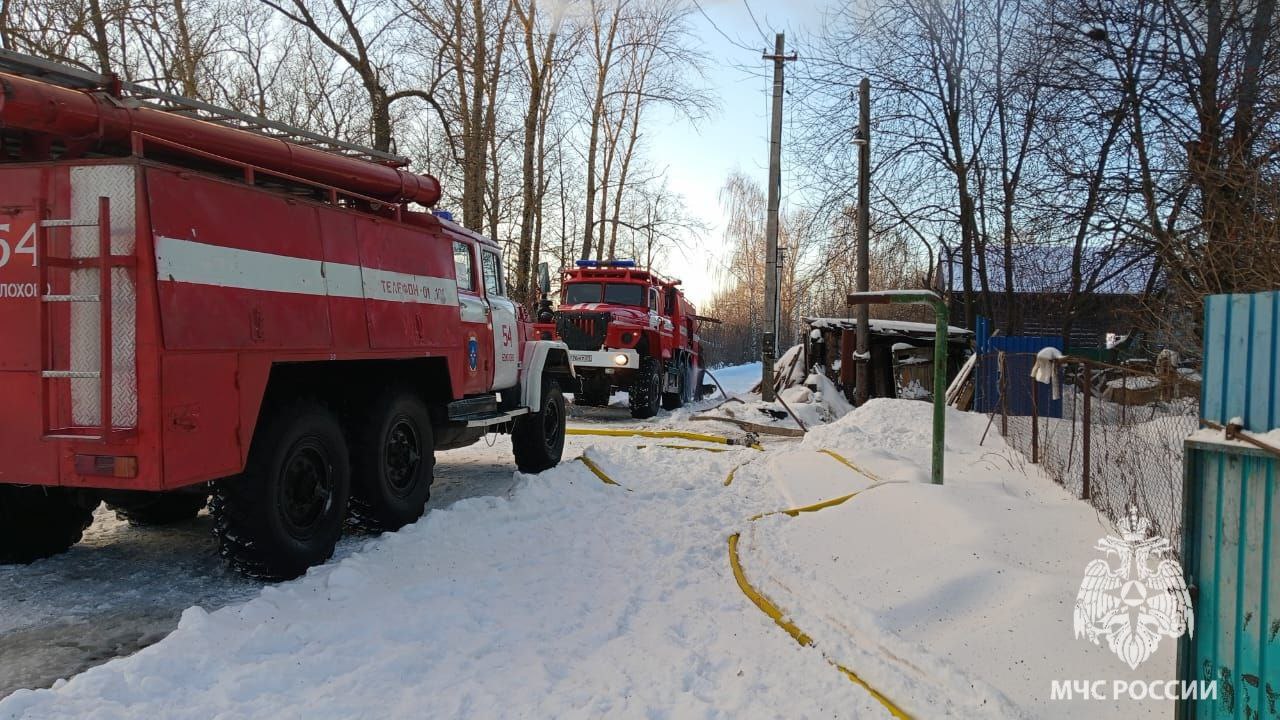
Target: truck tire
538,438
673,400
646,389
285,512
392,463
154,509
594,390
689,381
37,522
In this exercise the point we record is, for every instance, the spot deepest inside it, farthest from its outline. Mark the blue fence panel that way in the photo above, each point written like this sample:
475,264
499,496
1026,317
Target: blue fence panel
1240,344
1020,350
1230,501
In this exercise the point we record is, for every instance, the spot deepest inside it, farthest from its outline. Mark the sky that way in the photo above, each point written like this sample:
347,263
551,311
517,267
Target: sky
699,158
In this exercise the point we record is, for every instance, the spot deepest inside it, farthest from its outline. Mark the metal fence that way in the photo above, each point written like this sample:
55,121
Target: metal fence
1114,437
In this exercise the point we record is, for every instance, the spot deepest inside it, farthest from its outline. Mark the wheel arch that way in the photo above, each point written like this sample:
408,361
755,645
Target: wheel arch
543,358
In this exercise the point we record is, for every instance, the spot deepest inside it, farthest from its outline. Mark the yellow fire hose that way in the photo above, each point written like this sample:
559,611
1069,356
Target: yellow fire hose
775,613
753,594
659,434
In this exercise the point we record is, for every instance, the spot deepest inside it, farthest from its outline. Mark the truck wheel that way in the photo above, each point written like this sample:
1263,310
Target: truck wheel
151,509
594,390
37,522
538,438
392,464
673,400
286,511
646,389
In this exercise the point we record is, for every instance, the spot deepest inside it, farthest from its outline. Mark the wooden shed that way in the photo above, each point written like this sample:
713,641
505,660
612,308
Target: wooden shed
899,349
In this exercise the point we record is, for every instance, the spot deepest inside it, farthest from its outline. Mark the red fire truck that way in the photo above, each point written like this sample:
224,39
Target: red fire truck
251,314
630,328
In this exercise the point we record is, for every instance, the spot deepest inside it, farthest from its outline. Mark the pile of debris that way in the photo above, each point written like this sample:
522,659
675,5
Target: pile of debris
1142,383
804,400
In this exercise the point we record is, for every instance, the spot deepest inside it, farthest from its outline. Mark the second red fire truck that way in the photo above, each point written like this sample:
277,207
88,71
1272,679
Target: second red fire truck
629,328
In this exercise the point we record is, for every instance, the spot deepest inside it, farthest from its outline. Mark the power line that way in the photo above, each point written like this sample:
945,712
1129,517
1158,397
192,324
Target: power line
736,43
763,35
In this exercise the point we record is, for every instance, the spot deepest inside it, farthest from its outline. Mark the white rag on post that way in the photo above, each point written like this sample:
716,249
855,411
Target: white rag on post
1045,369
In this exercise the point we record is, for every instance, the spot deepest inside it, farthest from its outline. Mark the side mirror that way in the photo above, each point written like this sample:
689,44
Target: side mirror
544,278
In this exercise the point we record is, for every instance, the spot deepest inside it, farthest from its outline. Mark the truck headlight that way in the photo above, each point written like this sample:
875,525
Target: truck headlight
619,359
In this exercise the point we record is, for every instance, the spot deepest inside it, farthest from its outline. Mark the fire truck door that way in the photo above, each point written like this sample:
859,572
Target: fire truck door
477,338
506,362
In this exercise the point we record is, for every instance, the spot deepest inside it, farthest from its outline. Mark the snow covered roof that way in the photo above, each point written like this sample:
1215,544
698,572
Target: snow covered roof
888,327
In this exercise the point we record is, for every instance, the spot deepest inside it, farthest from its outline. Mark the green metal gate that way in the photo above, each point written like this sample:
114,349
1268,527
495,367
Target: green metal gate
1229,501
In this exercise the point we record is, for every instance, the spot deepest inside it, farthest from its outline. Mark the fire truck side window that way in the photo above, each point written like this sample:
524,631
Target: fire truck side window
462,264
492,268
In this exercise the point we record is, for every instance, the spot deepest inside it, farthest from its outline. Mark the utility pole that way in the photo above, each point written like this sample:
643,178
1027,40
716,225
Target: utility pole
863,141
768,344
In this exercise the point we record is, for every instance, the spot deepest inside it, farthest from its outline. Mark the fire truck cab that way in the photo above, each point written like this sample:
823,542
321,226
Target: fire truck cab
630,328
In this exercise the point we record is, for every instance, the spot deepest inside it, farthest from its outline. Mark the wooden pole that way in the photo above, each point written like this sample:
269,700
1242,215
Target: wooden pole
768,343
863,140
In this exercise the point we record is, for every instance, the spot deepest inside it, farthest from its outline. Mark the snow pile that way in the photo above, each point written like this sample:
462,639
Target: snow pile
963,591
816,403
737,379
1135,382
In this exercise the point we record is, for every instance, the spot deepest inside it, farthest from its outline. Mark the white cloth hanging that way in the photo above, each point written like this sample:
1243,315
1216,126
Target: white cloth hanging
1045,369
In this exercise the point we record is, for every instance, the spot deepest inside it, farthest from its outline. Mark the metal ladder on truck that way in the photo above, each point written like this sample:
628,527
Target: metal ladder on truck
103,263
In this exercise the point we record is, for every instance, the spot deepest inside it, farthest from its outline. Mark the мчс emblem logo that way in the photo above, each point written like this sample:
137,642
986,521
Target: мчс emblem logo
1132,604
473,352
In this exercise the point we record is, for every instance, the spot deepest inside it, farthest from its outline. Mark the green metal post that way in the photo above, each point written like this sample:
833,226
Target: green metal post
941,318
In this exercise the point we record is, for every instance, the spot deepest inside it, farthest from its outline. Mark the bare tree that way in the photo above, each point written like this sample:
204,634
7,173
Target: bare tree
355,31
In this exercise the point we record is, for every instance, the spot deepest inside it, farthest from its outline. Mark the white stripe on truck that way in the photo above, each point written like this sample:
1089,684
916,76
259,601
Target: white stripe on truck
196,263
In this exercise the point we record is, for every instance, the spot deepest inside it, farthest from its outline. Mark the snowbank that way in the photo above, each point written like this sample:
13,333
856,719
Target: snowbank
950,600
738,379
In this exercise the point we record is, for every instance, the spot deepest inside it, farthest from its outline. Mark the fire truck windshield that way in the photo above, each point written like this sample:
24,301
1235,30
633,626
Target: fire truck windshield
611,293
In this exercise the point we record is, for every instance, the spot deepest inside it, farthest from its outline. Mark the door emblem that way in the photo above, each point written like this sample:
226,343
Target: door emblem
473,353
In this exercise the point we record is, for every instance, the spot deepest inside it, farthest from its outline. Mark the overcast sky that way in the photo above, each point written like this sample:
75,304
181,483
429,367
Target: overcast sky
698,159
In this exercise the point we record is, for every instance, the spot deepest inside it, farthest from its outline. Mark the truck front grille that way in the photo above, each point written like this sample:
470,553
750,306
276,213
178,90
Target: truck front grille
583,330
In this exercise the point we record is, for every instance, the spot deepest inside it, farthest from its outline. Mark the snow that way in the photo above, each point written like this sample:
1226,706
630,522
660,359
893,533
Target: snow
559,596
914,391
1211,435
569,598
738,379
968,588
1049,353
797,395
792,363
1139,382
122,588
1114,340
888,326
